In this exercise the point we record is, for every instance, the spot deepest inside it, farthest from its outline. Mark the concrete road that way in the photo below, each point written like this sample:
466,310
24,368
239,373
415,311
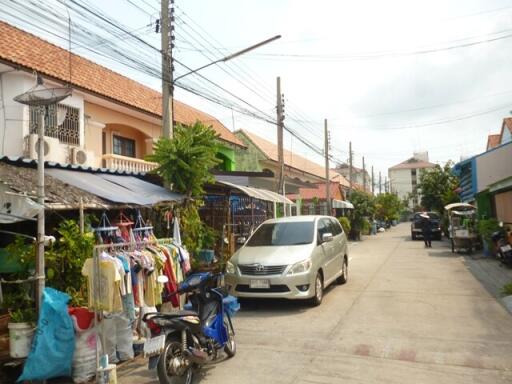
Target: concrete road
407,315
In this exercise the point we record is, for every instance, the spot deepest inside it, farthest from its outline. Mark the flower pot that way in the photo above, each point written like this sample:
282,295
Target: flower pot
20,339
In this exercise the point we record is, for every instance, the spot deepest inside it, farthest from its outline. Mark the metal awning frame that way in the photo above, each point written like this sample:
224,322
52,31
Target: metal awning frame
258,193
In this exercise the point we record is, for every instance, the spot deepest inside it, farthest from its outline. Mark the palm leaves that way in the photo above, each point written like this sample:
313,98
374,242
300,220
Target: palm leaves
185,161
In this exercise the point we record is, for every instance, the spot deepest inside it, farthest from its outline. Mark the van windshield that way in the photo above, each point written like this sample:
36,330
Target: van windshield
276,234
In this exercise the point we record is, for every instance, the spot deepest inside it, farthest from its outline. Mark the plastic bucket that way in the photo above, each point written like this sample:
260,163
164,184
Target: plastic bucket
20,339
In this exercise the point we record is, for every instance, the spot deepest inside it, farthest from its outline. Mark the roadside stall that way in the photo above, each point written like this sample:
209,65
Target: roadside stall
235,211
120,248
462,226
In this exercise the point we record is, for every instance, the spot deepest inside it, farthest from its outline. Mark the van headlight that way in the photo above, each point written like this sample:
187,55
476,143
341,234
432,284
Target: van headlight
300,267
230,268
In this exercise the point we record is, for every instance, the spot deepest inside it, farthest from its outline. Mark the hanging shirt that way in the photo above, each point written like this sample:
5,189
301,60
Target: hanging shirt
109,296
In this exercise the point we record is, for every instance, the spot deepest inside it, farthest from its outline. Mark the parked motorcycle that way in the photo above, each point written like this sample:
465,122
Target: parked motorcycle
503,248
185,340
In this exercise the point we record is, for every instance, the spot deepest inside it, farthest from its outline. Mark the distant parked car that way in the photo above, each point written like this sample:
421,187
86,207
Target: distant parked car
291,257
435,222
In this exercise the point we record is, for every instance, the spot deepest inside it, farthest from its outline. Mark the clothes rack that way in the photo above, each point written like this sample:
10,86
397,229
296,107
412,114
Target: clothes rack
97,251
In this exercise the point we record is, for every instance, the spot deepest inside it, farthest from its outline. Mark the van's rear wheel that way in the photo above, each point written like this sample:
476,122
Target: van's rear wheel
342,279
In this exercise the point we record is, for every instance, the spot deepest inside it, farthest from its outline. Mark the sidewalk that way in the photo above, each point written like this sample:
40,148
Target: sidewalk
491,274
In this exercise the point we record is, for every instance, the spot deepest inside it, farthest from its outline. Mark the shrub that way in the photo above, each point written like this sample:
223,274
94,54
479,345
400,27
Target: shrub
345,223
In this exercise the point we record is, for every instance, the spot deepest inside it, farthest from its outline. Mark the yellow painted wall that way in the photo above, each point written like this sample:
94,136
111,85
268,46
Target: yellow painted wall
129,133
109,116
119,124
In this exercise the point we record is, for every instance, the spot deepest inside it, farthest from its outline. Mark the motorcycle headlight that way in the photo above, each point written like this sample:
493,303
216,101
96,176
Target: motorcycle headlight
300,267
230,268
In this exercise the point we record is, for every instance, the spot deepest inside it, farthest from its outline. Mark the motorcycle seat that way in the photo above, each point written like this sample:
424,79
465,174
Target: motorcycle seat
174,314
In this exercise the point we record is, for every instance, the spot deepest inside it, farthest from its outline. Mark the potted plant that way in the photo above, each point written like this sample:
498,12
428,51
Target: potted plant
22,317
486,227
18,298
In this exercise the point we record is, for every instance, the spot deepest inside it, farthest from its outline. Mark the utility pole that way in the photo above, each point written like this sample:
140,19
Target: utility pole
364,176
380,183
280,127
327,179
386,184
373,183
167,82
350,166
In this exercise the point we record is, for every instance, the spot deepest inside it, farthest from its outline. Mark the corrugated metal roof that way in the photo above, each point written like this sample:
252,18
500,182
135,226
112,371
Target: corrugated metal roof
66,183
23,161
119,189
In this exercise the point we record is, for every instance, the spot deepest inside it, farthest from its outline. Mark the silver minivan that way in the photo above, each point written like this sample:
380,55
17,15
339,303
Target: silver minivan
290,257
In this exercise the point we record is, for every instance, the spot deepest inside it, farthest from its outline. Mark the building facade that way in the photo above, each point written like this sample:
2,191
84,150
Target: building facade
110,121
404,178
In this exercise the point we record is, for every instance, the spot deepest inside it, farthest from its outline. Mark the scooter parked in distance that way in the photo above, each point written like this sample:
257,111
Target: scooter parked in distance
183,341
503,248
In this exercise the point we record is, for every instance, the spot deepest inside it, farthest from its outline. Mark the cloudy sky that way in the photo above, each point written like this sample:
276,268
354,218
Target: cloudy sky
393,77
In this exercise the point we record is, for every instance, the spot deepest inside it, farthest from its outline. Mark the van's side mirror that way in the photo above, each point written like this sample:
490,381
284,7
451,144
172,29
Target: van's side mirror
326,237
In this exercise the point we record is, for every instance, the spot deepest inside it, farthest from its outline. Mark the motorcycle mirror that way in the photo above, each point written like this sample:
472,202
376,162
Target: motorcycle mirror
162,279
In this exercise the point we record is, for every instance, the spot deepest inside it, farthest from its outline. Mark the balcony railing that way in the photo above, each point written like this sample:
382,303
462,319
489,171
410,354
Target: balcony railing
125,163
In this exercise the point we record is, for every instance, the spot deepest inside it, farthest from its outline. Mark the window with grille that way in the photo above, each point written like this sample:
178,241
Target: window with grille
61,121
123,146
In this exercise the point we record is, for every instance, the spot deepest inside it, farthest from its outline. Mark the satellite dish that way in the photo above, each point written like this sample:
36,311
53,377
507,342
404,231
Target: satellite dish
41,96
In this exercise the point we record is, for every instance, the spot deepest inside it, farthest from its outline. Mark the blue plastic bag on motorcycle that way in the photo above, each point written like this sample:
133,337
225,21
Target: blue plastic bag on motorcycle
231,304
54,341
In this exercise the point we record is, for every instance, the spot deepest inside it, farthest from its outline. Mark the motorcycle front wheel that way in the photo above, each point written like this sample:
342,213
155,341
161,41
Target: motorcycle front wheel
230,347
172,367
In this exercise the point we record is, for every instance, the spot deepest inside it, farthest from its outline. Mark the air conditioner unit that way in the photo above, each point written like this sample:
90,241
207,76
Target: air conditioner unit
51,147
79,156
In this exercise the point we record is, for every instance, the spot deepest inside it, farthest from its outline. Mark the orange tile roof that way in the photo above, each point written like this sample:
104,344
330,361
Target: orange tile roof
310,193
339,178
493,141
290,158
28,52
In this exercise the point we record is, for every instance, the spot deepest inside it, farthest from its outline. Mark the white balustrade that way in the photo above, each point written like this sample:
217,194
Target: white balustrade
124,163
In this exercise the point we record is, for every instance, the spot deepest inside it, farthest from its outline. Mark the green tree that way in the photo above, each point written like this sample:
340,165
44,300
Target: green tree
437,187
388,207
364,209
185,162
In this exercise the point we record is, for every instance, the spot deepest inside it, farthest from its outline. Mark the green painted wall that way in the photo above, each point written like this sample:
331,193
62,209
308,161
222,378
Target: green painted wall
248,159
483,202
227,155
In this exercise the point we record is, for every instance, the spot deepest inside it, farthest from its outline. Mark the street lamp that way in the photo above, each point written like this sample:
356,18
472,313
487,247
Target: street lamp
167,125
40,96
232,56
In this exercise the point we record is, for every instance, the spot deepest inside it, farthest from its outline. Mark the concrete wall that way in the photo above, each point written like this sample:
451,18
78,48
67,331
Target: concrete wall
401,181
507,136
493,166
248,159
15,117
14,124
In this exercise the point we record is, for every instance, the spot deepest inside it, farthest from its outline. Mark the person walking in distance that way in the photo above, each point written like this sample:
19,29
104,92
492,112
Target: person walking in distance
426,228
